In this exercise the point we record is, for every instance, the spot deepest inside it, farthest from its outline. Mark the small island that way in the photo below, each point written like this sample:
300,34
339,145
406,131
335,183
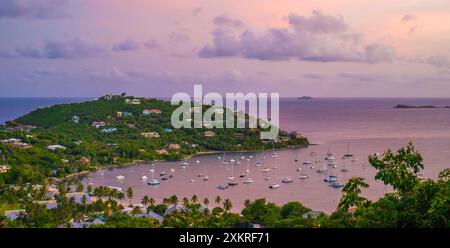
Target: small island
403,106
305,98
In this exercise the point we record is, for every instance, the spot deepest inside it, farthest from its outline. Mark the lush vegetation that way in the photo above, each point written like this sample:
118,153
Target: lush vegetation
88,147
415,202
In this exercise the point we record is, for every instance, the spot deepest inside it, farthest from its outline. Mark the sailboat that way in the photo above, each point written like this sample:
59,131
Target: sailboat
274,154
224,159
184,164
329,155
248,180
232,173
348,154
344,167
154,181
324,170
205,177
296,156
120,177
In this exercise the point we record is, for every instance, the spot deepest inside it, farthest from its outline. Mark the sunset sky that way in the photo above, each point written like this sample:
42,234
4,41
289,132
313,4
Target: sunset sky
344,48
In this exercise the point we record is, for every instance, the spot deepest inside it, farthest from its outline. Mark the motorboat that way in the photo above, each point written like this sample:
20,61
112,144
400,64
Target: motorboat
222,187
143,178
329,179
164,178
242,175
307,162
192,180
287,180
336,185
274,186
248,181
205,178
200,174
120,177
153,182
299,169
162,173
303,176
265,170
232,183
172,170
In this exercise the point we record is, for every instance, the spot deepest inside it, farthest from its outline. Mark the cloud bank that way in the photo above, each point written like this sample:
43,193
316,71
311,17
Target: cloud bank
63,49
319,37
38,9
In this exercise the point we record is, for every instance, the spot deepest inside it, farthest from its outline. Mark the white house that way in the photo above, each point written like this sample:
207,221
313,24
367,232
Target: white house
56,147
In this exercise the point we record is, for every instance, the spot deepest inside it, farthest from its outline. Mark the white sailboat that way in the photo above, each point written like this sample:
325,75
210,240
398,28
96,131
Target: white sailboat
344,167
184,164
205,177
154,181
120,177
224,159
274,154
248,180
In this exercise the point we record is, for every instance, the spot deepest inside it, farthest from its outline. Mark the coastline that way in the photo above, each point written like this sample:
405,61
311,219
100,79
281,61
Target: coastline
198,154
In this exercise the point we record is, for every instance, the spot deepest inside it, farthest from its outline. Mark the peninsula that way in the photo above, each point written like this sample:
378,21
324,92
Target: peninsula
67,139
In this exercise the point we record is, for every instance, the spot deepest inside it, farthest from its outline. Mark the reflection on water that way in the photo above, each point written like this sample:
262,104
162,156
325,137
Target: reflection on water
313,191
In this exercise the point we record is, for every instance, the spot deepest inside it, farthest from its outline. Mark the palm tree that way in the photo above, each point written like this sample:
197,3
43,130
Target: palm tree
227,205
166,201
80,187
247,203
145,201
218,200
151,202
173,199
206,201
89,189
120,196
194,199
130,194
185,201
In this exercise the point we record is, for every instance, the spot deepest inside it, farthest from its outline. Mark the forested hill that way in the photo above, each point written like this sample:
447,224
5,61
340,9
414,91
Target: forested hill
65,140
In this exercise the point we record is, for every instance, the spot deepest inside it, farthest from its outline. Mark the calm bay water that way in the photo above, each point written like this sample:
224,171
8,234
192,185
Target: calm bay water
369,125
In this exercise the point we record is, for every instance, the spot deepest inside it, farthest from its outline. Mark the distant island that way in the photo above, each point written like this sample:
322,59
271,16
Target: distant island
305,98
402,106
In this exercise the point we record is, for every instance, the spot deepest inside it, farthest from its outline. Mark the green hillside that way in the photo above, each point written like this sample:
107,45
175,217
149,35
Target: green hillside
125,143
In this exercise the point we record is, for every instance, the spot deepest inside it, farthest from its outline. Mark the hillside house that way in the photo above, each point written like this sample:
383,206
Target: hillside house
210,134
98,124
150,135
75,118
174,146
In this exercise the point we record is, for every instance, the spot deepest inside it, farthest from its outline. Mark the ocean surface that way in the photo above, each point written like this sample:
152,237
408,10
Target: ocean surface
364,125
11,108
